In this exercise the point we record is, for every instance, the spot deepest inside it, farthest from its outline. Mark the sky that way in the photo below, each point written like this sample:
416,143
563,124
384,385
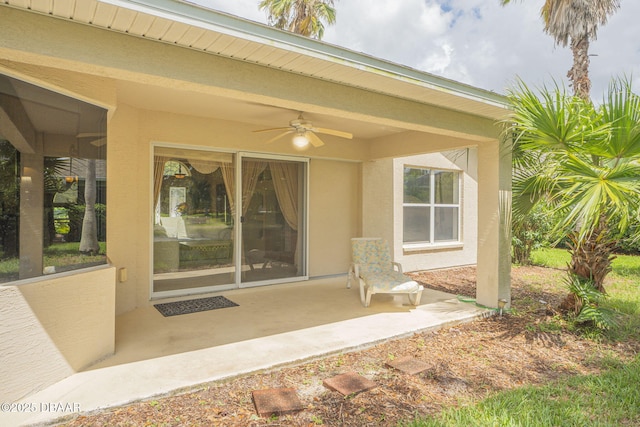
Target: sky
477,42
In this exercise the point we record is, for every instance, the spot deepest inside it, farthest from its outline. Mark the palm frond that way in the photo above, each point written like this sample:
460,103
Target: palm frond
589,304
621,109
550,120
582,159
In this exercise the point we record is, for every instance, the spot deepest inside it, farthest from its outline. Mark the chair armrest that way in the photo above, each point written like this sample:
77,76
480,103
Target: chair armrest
397,266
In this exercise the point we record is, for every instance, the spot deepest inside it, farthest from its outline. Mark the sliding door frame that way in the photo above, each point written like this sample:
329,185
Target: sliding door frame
304,162
237,229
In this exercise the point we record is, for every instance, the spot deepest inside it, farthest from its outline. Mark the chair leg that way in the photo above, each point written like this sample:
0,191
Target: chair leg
368,298
362,292
414,298
350,276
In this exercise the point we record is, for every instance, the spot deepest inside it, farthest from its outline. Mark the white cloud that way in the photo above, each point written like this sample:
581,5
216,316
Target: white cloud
434,19
474,41
391,29
438,61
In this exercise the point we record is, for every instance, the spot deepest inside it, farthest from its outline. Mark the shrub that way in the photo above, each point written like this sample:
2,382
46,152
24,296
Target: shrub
630,243
531,232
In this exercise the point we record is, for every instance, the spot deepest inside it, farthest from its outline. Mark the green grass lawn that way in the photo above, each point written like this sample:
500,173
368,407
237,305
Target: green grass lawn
623,265
611,398
62,256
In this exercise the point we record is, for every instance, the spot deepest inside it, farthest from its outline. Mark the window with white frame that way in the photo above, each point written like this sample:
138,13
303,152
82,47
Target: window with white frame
431,206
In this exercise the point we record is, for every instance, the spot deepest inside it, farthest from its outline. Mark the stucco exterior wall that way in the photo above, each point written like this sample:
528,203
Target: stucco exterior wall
383,197
127,238
53,327
447,255
334,205
377,199
494,222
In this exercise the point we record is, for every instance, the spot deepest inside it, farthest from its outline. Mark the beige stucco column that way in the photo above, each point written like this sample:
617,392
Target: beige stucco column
494,224
129,195
31,212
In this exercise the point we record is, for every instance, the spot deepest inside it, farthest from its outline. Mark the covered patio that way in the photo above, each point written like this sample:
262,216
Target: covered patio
192,186
157,355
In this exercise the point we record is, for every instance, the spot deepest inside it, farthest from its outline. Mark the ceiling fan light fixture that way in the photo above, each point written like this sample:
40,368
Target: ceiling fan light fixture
300,140
304,133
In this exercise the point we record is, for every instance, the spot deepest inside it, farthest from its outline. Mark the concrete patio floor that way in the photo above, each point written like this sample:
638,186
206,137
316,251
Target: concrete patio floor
272,326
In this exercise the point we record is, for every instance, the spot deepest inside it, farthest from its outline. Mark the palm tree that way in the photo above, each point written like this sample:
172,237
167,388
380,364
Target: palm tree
89,237
585,162
300,16
576,22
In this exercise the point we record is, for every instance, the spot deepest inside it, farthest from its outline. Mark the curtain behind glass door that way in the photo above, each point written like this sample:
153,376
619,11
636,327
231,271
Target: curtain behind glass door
193,243
272,219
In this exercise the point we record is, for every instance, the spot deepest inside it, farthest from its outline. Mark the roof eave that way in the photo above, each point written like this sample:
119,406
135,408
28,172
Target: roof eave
194,15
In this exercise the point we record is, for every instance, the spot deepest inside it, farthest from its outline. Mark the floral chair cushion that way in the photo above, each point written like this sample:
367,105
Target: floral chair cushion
376,273
373,258
372,255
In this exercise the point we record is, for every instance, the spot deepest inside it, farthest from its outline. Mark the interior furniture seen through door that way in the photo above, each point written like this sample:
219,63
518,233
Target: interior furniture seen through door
193,226
196,240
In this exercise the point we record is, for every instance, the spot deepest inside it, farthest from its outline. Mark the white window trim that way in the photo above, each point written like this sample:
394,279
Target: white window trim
424,247
434,246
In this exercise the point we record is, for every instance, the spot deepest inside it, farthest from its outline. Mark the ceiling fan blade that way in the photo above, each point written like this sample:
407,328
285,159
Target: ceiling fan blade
98,139
90,135
314,139
271,129
98,142
279,136
334,132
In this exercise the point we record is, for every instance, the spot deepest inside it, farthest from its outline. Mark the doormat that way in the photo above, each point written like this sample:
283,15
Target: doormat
193,306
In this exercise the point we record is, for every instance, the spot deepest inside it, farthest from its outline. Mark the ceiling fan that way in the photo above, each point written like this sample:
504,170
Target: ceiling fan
305,133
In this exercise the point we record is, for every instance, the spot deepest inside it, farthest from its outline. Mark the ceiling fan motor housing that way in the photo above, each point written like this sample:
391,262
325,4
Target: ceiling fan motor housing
299,124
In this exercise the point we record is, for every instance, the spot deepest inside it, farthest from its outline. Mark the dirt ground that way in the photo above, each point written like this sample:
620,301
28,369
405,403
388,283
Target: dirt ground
466,363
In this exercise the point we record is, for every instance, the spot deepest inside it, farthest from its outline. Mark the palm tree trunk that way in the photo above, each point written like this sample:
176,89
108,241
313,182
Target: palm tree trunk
89,237
300,24
591,260
579,72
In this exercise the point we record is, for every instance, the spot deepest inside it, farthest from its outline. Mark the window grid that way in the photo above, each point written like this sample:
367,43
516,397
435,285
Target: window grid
432,206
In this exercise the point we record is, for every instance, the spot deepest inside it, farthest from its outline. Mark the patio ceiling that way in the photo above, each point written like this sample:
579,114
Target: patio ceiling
194,27
260,115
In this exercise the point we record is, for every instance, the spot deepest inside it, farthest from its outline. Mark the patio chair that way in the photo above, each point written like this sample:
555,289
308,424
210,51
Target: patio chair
372,266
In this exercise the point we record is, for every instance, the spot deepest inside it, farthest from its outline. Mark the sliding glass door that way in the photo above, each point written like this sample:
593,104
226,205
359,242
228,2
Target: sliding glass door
273,219
204,240
194,226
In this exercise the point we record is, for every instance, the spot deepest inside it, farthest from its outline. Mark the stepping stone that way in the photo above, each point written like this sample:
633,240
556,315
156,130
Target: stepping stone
276,401
409,365
349,383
